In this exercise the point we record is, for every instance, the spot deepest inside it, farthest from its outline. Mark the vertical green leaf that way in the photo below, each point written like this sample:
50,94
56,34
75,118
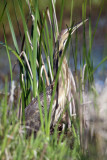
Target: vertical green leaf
34,56
10,65
12,31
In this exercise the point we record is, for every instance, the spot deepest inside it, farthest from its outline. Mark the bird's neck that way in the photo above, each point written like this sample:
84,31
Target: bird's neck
64,67
63,75
62,86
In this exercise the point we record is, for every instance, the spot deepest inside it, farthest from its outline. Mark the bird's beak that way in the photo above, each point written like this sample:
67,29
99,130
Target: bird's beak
62,38
77,26
65,33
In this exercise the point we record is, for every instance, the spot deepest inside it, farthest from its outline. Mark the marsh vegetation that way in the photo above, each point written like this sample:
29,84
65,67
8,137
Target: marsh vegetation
34,32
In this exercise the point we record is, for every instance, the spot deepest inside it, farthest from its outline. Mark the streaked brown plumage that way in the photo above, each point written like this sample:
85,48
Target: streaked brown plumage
64,89
32,116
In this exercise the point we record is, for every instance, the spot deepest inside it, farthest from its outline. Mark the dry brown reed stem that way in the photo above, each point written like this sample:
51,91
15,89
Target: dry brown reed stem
73,91
27,62
50,69
55,37
49,17
47,80
43,65
83,93
51,25
32,47
12,91
44,68
82,109
83,86
55,21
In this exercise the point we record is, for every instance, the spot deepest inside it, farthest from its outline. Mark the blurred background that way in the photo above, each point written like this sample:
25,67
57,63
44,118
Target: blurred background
93,10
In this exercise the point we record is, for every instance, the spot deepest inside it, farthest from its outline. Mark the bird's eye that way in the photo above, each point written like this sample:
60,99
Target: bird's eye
60,52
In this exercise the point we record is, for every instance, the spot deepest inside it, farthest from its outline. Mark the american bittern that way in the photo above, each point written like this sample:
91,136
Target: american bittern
63,91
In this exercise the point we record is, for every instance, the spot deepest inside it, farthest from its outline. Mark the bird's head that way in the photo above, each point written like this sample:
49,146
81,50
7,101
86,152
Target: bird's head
61,41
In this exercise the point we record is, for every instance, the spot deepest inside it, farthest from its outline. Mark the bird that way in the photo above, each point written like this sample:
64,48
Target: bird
64,90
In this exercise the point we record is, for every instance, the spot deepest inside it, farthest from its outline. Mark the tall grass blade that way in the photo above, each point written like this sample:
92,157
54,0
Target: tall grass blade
5,105
34,54
45,106
12,31
61,14
104,59
15,11
1,16
10,65
72,4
